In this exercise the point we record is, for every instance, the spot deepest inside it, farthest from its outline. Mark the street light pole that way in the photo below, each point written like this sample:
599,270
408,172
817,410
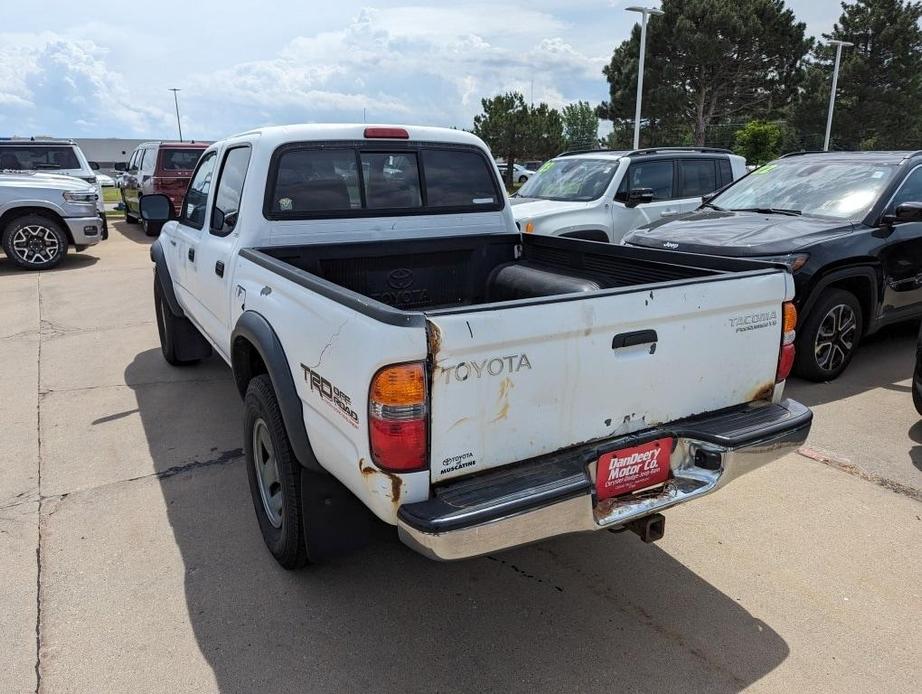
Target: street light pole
832,92
645,12
176,102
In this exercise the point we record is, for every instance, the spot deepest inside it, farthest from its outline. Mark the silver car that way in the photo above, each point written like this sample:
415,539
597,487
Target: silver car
41,215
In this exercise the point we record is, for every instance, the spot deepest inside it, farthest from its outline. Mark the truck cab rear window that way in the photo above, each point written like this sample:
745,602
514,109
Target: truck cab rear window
312,182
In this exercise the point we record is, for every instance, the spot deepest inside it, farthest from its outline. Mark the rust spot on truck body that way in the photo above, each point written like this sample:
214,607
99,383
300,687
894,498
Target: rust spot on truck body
763,391
370,472
434,340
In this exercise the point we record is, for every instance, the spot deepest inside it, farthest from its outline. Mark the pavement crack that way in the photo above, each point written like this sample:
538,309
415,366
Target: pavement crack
841,463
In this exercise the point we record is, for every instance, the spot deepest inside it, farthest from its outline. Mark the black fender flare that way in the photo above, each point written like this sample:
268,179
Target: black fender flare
863,271
254,328
163,276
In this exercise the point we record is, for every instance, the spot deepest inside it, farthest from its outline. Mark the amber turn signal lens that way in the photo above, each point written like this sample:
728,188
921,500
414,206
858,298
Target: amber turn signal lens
404,384
529,227
790,317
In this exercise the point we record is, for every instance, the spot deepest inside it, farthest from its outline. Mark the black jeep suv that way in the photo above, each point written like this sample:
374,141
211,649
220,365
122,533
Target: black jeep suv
847,224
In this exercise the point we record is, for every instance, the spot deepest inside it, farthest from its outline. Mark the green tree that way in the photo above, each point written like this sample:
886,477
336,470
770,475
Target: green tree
580,126
759,141
708,61
880,80
514,131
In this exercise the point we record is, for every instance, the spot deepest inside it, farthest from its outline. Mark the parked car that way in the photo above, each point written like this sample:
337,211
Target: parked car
520,174
50,155
401,348
601,195
105,181
847,224
533,165
41,215
158,167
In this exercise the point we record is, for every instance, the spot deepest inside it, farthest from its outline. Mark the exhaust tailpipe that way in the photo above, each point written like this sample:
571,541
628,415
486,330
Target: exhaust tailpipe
649,528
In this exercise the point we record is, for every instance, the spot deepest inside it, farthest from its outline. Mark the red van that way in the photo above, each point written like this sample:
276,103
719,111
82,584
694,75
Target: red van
158,167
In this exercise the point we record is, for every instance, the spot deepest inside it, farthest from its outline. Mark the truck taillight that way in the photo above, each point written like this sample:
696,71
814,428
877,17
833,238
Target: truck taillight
788,335
398,418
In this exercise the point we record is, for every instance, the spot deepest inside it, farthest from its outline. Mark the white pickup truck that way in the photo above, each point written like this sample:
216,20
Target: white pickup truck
402,348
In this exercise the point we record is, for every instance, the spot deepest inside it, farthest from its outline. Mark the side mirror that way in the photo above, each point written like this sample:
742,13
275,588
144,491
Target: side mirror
908,212
156,208
121,166
94,165
639,196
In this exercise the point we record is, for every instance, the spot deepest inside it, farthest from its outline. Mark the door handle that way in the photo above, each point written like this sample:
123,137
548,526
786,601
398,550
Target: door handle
638,337
192,254
219,269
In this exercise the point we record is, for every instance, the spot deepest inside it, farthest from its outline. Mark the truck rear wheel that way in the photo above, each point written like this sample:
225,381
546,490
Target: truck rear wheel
274,475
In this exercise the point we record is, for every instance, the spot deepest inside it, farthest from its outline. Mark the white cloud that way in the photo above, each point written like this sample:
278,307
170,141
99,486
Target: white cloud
412,63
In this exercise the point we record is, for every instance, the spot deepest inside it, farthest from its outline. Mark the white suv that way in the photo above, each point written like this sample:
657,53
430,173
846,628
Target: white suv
601,195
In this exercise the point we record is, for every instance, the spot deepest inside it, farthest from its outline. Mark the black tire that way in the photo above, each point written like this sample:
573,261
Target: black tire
917,391
282,528
171,328
838,316
35,242
151,228
523,179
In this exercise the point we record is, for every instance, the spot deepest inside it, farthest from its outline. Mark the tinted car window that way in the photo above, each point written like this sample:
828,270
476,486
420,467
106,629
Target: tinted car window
457,179
698,177
230,185
391,180
133,162
910,190
193,209
147,163
726,172
316,180
179,159
656,175
38,158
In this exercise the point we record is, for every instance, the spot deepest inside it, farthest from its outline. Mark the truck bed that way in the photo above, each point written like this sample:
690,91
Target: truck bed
455,272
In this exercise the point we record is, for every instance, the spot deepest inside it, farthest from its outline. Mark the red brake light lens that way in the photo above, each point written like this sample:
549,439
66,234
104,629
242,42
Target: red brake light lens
387,133
398,418
788,335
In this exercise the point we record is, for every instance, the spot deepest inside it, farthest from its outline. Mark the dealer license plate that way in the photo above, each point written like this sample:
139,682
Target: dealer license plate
629,469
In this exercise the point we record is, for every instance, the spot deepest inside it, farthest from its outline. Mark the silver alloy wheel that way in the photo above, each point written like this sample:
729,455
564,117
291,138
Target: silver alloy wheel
835,338
267,473
35,244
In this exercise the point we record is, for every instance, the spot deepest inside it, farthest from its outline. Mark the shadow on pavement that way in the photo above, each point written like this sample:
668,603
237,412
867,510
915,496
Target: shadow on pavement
583,613
882,361
133,232
73,261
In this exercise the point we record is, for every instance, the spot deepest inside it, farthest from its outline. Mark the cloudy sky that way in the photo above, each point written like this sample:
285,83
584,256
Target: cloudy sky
106,70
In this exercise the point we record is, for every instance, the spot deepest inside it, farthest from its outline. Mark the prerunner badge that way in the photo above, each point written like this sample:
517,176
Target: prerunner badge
630,469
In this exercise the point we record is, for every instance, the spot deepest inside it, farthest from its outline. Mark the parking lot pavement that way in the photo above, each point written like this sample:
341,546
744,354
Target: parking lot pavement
136,563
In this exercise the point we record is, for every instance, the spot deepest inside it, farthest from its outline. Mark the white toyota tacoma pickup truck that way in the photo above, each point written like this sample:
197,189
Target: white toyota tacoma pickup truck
402,349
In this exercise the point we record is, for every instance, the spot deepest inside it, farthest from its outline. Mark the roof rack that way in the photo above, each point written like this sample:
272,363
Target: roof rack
656,150
648,150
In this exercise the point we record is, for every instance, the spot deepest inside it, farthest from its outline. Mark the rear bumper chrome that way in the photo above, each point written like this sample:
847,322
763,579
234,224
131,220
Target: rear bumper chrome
555,495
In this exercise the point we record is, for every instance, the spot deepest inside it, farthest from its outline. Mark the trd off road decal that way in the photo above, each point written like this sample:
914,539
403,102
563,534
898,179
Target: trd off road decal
331,395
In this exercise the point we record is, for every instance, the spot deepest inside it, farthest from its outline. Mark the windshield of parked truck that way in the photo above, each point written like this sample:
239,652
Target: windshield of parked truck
32,158
573,179
835,188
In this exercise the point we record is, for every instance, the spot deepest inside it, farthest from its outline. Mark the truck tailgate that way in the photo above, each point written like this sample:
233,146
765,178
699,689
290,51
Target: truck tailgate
513,382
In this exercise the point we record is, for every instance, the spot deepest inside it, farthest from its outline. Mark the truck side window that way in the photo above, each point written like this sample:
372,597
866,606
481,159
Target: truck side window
193,207
391,180
726,172
656,175
698,177
230,187
147,164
